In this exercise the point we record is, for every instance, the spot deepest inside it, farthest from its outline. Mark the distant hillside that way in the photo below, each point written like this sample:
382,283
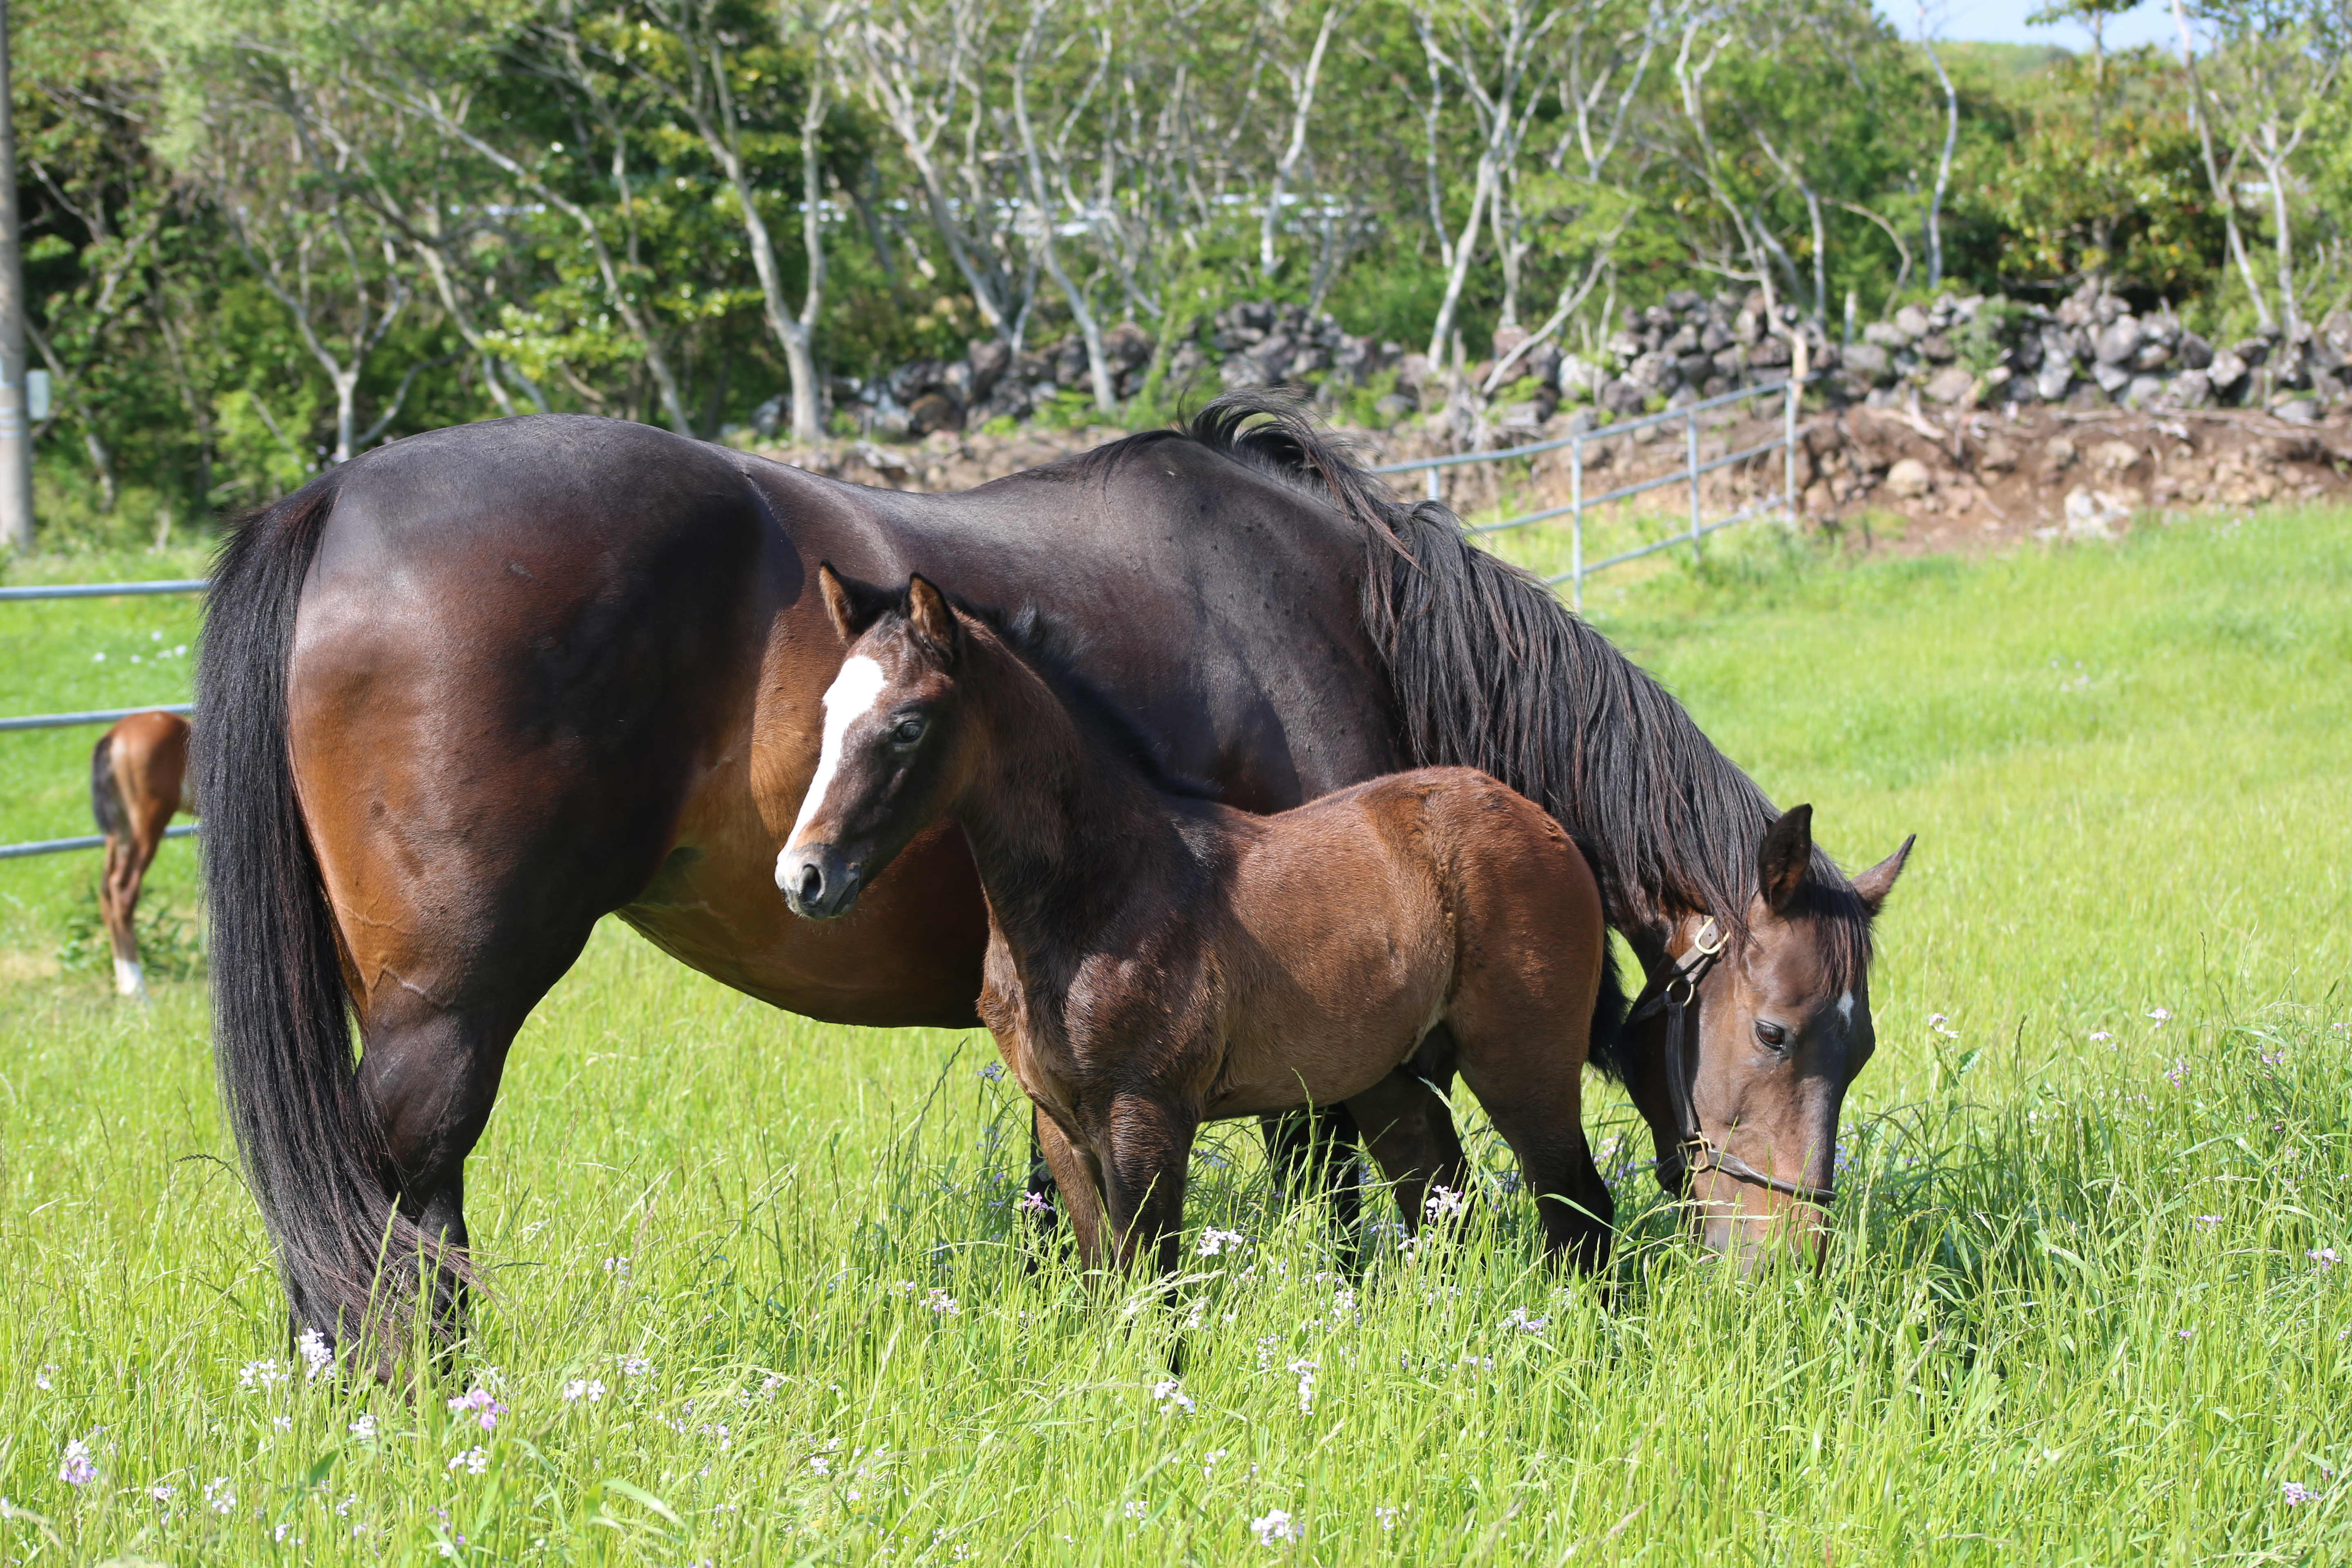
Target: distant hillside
2001,64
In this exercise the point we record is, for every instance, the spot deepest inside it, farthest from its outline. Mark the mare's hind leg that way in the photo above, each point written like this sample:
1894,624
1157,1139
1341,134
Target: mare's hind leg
455,923
1314,1150
1411,1136
434,1053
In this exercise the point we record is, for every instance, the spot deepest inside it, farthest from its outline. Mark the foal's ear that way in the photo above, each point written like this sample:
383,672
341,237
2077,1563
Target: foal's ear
929,612
1875,884
854,605
1785,856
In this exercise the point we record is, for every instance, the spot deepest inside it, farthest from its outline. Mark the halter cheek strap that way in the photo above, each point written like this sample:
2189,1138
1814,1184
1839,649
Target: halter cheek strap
1674,993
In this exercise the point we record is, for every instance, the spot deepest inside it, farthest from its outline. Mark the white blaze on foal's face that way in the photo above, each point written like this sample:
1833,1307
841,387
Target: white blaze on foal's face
851,696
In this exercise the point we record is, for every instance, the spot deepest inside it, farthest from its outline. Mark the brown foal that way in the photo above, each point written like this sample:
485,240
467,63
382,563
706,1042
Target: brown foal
138,782
1156,960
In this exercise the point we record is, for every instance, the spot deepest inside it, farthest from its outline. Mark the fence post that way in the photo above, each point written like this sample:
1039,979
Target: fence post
1797,369
1690,449
1432,487
1576,519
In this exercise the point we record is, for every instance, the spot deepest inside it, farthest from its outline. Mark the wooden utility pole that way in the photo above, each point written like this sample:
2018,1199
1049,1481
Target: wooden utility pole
15,432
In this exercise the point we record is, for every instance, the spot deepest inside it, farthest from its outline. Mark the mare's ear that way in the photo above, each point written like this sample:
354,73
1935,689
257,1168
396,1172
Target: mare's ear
929,612
1875,884
1785,856
854,605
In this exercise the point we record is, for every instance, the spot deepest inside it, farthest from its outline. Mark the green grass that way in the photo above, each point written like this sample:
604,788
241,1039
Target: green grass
2072,1314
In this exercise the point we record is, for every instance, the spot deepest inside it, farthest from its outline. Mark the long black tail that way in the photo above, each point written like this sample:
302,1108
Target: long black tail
281,1015
105,803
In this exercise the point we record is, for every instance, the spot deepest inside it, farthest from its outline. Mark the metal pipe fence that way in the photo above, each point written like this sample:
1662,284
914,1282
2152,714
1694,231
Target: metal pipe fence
93,715
1689,474
103,590
87,841
1579,571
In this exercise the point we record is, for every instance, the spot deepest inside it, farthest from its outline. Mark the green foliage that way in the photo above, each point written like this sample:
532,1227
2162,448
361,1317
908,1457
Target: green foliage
2107,180
1983,341
170,947
533,182
1360,404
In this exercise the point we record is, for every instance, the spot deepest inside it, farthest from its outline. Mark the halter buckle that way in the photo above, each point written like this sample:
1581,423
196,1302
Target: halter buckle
1721,936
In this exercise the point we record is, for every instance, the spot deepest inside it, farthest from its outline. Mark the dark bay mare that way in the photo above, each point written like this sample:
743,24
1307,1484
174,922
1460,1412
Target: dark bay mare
468,693
1156,959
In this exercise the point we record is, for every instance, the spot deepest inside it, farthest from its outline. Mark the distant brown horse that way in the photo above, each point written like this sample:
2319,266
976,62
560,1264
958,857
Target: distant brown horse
138,781
1156,960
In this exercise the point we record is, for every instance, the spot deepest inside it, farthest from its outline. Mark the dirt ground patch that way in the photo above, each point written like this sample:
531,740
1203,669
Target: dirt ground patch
1960,479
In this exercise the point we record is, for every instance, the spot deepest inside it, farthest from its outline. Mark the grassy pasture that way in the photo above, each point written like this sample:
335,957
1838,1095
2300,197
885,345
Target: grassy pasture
2074,1313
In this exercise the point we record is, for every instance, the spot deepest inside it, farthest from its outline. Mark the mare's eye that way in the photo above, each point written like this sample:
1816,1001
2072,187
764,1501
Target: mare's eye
1770,1036
908,730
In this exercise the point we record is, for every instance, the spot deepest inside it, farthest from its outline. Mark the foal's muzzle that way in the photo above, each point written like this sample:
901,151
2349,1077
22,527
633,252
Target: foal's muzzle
817,883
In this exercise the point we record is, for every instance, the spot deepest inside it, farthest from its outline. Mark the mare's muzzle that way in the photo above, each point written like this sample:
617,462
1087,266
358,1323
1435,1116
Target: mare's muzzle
816,882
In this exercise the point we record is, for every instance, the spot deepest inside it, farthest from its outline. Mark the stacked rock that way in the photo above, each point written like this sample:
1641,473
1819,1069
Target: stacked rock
990,382
2092,350
1261,342
1691,346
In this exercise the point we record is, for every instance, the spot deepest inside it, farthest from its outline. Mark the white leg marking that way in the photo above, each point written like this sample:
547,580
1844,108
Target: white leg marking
130,980
851,696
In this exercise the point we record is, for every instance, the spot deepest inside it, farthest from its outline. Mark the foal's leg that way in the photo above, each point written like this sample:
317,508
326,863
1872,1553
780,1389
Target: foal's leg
1075,1171
1532,1090
1149,1152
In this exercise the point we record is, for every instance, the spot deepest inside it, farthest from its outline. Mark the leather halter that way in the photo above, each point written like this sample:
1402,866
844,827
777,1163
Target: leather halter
1674,993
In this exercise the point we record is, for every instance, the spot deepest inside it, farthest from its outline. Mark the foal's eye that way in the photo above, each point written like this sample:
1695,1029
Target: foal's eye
1770,1036
908,730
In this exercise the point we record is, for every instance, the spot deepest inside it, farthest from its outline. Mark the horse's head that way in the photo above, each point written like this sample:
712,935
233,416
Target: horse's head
887,768
1771,1028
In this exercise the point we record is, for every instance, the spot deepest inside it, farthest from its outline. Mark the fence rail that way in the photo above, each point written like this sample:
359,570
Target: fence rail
1690,473
104,590
1578,504
89,841
94,716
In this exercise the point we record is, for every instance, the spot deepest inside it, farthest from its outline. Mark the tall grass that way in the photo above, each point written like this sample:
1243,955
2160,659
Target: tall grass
2081,1308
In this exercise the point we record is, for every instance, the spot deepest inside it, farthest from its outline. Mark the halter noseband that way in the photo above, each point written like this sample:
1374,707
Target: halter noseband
1674,993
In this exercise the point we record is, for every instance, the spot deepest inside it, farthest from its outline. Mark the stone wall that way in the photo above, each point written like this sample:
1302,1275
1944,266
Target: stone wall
2089,352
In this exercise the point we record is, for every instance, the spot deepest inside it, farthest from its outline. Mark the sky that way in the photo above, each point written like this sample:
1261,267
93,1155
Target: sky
2004,22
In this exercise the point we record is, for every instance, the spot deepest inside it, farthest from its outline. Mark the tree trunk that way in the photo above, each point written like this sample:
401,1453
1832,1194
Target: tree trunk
1089,329
1302,89
2224,187
1944,164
